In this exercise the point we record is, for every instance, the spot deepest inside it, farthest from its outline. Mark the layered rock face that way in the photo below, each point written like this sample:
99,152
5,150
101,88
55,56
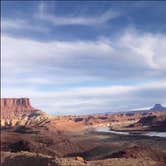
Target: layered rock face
12,107
18,111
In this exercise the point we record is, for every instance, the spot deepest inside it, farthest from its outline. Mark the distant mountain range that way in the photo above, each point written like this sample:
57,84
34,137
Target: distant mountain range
155,108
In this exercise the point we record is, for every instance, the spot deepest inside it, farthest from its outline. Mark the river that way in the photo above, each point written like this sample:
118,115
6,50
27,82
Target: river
148,133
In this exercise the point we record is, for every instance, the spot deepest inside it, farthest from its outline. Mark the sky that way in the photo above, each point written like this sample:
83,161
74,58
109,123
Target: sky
75,57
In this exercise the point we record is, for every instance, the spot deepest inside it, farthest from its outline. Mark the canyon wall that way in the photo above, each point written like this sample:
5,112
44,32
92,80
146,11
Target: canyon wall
11,107
18,111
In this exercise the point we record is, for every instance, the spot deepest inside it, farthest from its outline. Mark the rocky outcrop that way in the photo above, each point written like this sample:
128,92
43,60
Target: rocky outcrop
34,159
158,107
135,156
156,122
19,112
14,107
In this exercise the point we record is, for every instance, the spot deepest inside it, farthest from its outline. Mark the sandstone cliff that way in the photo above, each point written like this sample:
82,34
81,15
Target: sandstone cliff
18,111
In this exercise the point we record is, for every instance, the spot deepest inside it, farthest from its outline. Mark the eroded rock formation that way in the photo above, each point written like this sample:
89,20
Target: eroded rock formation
18,111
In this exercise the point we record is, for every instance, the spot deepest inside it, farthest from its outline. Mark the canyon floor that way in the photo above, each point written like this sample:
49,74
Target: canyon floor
29,137
68,146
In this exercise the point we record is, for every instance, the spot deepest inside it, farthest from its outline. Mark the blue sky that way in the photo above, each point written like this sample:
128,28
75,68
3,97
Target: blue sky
84,57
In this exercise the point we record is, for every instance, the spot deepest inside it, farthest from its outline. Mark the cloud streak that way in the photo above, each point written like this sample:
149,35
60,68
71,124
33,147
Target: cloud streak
21,24
79,20
40,21
75,19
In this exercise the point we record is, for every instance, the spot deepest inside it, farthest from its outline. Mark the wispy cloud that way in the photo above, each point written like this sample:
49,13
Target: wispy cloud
21,24
79,20
76,19
40,21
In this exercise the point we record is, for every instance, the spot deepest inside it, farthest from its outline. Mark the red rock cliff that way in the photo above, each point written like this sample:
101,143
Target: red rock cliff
13,107
18,111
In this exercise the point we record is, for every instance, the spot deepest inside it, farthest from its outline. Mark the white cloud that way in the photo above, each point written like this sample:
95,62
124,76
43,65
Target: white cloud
146,46
128,55
94,99
30,68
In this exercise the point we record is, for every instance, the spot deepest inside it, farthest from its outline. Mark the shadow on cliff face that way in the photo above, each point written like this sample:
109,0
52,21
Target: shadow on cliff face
37,159
25,130
19,146
135,152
